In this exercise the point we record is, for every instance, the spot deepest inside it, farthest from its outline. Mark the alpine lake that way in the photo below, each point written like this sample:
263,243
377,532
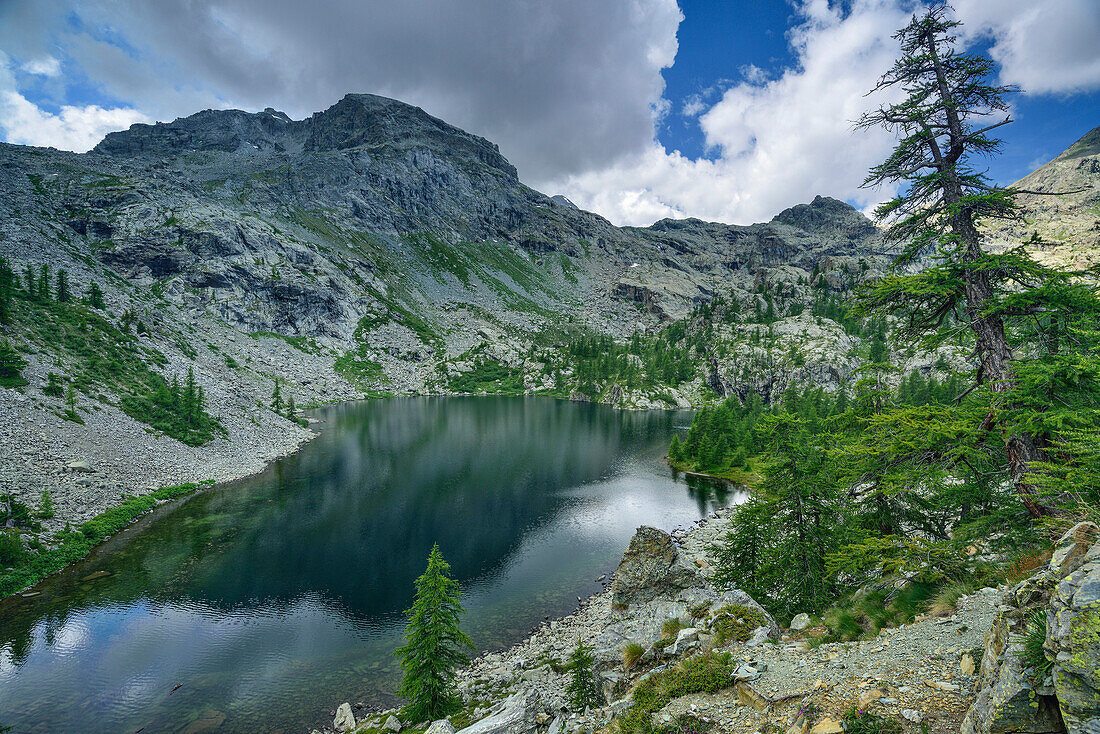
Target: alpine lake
260,605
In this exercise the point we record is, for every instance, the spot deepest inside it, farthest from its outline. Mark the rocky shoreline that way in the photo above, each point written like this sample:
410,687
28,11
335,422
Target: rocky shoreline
924,674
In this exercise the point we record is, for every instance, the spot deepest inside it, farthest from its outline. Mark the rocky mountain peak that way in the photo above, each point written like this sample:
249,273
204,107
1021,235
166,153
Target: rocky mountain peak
209,130
370,120
1088,145
825,215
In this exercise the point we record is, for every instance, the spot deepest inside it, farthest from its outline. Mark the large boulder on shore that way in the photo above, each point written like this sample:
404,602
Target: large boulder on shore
516,715
652,567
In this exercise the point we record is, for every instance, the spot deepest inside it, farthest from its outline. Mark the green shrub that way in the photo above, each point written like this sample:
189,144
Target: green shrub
11,547
736,623
700,610
583,691
865,722
11,366
686,724
45,507
491,376
707,673
53,385
18,513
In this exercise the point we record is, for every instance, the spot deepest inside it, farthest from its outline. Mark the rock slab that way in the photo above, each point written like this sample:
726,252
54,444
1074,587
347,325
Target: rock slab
651,567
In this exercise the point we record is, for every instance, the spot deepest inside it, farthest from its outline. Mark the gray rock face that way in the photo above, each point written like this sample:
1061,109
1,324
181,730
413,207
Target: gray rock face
1071,549
1006,700
515,716
1073,637
650,568
1067,592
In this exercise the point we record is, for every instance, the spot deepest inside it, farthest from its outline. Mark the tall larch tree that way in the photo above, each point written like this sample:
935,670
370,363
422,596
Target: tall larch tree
944,121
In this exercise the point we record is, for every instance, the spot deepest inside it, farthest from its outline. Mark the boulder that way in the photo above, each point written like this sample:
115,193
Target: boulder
345,719
80,465
1071,548
440,727
800,622
1073,637
651,567
684,638
392,724
1006,700
516,715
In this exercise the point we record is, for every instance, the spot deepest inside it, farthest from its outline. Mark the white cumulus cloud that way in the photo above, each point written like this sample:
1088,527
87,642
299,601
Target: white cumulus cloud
780,141
1043,47
72,127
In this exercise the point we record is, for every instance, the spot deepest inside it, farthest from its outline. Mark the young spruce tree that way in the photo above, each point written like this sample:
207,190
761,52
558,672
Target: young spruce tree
583,691
435,645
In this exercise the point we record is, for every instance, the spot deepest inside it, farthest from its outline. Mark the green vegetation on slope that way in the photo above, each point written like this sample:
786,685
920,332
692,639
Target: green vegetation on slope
101,356
29,567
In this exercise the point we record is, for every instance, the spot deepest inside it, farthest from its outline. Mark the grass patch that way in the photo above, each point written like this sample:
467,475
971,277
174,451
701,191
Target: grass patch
862,618
74,545
491,376
632,653
865,722
709,673
1034,637
357,368
671,627
301,343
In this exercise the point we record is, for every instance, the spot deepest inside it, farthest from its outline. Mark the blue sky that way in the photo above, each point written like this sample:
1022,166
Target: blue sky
719,39
636,109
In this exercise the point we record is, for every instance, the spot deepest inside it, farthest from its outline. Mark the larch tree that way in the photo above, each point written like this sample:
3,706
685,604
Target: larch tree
944,122
435,646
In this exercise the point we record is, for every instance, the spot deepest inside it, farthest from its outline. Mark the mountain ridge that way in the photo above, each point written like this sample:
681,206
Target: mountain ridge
395,254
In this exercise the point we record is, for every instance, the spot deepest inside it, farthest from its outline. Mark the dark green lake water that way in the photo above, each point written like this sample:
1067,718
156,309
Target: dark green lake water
273,599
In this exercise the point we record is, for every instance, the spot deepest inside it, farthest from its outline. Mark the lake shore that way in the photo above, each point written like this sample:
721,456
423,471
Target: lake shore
98,467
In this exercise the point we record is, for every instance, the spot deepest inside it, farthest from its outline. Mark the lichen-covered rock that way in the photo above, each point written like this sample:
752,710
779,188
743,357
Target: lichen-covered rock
1072,547
1006,700
345,719
1073,638
651,568
800,622
440,727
